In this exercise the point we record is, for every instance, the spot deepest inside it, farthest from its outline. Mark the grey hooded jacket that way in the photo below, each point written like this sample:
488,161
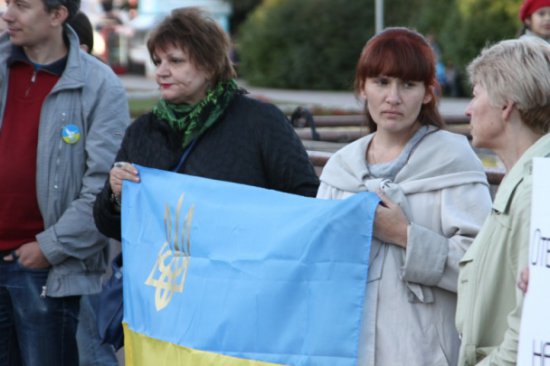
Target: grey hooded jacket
68,176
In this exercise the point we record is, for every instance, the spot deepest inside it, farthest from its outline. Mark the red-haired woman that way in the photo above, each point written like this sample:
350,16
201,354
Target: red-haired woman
434,198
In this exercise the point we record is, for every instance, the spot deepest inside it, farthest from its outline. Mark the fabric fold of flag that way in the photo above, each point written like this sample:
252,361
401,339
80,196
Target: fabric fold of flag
218,273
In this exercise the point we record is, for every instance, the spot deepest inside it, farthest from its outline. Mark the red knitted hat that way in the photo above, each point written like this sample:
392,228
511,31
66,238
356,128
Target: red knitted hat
530,6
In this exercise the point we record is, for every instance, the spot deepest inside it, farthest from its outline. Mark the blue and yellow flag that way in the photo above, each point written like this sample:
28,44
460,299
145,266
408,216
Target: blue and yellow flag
218,273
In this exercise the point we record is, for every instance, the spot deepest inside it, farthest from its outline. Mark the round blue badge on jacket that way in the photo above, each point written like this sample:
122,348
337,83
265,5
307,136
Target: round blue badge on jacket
70,134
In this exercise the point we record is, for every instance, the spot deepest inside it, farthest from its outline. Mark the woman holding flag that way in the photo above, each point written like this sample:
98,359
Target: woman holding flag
434,198
204,125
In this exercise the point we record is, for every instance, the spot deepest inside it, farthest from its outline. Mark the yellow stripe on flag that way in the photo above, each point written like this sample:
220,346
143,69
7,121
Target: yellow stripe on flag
140,350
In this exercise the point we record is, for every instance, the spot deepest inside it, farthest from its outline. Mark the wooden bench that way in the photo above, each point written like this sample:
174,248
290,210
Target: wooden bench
322,135
350,127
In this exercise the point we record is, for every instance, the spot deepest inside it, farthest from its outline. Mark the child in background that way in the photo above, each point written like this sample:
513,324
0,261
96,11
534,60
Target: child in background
535,16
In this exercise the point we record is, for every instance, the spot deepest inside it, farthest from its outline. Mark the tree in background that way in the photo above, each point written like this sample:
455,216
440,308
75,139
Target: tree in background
241,10
314,44
461,27
477,23
304,43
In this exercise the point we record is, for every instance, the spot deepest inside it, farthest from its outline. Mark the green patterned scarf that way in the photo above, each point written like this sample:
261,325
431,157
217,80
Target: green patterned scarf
195,119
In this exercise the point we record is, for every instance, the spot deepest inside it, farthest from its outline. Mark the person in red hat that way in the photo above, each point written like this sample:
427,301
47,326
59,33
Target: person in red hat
535,16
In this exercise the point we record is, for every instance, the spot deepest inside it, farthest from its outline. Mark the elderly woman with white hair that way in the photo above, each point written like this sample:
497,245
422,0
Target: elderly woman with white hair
510,115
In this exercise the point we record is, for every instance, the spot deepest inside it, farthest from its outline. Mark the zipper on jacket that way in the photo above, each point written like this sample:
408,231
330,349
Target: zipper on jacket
33,81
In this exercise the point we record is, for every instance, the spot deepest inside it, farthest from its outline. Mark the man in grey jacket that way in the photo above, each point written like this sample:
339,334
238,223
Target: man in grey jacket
62,116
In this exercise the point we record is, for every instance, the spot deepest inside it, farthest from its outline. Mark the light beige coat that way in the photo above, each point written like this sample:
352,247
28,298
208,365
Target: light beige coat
411,294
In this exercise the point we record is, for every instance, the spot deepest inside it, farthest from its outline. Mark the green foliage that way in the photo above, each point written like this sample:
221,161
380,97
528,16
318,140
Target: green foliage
475,25
141,106
315,44
241,9
310,44
462,27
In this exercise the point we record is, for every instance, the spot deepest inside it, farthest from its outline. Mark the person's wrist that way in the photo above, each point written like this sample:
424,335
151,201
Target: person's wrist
115,200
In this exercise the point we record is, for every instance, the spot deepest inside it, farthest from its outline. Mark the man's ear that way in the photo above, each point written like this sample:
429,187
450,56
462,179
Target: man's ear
59,15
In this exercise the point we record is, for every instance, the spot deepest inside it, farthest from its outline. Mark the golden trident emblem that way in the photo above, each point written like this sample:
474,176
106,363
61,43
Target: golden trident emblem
173,258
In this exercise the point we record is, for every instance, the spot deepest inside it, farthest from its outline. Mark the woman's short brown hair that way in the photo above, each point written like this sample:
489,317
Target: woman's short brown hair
405,54
191,30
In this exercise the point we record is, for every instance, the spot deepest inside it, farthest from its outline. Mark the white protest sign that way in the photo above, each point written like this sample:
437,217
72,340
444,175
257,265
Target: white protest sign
534,343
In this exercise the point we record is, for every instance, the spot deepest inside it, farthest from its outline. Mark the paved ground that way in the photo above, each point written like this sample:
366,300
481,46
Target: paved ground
142,87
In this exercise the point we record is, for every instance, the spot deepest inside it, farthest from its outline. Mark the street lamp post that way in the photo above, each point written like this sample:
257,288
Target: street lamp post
379,15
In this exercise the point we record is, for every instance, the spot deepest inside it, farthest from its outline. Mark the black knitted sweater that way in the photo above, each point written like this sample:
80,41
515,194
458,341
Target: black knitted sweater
252,144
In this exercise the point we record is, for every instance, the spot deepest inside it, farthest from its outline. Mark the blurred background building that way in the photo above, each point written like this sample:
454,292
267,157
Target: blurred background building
122,27
149,12
308,44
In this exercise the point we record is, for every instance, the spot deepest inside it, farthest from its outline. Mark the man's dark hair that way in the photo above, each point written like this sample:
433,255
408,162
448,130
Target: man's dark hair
72,6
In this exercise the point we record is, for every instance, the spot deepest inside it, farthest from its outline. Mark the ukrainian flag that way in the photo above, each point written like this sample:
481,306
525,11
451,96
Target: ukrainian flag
217,273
